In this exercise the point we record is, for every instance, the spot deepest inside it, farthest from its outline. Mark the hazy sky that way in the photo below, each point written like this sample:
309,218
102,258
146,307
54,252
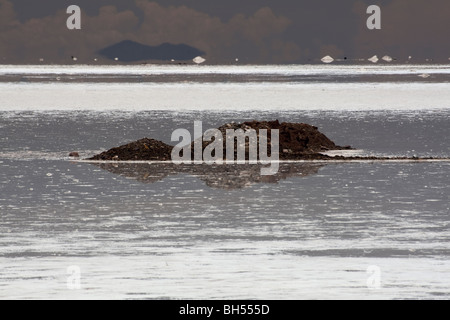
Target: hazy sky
255,31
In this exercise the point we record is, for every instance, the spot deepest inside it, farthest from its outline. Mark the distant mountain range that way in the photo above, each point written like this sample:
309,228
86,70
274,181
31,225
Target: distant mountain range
131,51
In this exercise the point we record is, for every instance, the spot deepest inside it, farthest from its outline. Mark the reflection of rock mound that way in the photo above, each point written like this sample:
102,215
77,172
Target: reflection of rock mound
298,141
215,176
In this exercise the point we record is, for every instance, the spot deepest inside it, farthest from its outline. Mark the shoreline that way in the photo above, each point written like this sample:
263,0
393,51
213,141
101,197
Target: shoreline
346,160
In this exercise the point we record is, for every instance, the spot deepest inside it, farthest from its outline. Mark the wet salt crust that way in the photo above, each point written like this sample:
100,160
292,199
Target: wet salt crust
316,230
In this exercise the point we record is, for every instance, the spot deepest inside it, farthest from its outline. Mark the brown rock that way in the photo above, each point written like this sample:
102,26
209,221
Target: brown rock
144,149
298,141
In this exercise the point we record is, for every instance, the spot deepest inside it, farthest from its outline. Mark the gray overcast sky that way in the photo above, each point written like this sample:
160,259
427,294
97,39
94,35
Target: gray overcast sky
255,31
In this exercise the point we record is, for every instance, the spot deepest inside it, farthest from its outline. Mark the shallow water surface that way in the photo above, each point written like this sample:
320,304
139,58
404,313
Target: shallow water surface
348,230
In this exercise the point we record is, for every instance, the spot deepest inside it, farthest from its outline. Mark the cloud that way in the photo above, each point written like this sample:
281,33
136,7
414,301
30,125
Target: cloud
268,32
409,27
255,37
250,36
7,15
50,39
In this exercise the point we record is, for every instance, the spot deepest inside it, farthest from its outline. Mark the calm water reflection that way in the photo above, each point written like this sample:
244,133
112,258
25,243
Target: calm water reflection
152,231
215,176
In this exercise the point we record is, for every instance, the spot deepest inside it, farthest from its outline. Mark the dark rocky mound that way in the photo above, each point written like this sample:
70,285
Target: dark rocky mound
144,149
298,141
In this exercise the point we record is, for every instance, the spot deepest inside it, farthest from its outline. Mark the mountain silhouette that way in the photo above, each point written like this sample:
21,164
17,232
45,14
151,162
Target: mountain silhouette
131,51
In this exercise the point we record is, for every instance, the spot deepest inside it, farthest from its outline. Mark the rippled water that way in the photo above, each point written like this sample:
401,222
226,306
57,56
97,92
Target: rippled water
367,230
